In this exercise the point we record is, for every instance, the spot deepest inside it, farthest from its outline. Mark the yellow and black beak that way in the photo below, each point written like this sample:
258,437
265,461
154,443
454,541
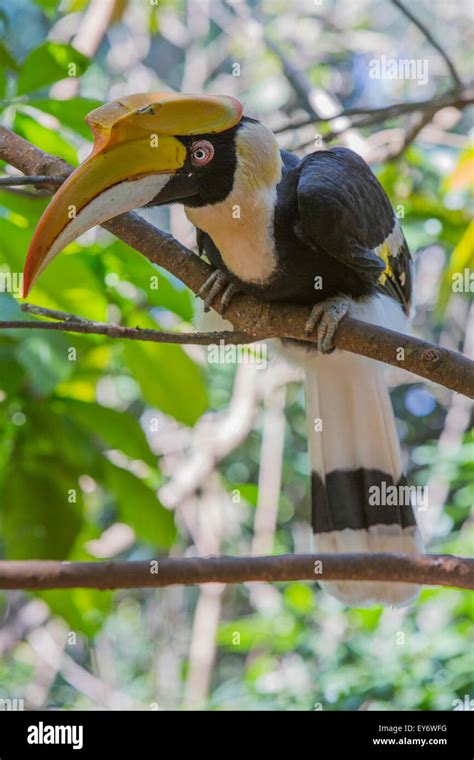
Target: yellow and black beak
135,154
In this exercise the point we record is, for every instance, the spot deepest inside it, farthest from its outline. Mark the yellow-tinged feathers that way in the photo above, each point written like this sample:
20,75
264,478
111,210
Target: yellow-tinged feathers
259,162
241,226
390,248
384,252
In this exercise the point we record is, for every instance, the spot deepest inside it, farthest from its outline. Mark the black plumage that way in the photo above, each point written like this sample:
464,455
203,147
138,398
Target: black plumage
331,213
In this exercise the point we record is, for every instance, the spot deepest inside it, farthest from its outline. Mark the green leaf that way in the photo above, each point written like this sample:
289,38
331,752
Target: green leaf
122,260
47,5
248,491
47,139
45,358
94,362
169,379
70,112
299,597
278,635
460,264
84,609
30,208
14,241
49,63
3,87
9,308
367,619
8,435
57,440
7,61
37,520
11,373
119,430
68,284
139,507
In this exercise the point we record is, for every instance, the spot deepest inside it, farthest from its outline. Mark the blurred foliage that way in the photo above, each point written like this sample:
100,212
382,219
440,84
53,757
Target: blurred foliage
80,415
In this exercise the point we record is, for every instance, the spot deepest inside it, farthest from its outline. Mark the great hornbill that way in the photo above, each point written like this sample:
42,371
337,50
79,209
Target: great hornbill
318,231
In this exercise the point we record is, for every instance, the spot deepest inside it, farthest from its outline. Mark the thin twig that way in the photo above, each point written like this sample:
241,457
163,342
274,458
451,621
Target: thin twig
377,115
434,43
41,311
71,324
427,569
39,179
421,120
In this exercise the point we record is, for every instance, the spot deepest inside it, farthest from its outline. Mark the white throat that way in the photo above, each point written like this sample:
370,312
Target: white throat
241,226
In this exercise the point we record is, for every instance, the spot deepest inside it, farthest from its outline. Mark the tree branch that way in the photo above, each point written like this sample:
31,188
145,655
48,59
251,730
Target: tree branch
73,324
40,179
260,320
426,112
428,569
377,115
424,30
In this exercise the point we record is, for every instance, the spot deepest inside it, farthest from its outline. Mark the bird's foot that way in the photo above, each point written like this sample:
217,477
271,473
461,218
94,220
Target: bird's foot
215,284
327,315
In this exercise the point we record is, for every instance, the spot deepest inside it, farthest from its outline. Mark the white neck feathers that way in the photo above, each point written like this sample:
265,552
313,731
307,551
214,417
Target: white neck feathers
241,226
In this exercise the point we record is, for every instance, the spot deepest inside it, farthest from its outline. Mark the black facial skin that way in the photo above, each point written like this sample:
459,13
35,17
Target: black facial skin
197,186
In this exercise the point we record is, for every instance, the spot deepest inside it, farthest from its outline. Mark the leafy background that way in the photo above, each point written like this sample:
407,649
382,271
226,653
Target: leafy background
96,436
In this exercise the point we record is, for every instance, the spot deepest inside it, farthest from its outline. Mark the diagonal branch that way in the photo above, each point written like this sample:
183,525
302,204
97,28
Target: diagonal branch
248,315
424,30
427,569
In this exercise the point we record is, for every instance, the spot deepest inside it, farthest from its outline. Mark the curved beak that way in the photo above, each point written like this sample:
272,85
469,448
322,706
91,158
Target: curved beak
135,154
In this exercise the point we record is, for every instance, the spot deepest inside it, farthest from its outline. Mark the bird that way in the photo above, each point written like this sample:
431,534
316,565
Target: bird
317,231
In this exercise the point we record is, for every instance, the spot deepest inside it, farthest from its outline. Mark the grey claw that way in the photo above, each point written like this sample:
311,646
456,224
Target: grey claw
228,295
208,283
210,288
216,288
215,284
327,315
313,319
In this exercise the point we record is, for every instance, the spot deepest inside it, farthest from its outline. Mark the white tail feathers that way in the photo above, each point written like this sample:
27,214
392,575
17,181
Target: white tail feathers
355,462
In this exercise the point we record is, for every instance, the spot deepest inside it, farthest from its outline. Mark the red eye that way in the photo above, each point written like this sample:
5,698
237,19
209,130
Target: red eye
202,152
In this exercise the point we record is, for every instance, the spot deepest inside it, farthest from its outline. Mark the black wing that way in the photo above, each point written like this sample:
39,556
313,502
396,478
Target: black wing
345,212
